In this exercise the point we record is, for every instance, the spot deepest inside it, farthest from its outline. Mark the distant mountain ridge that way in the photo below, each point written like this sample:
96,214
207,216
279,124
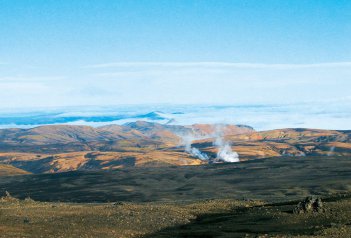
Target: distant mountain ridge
261,116
62,118
133,131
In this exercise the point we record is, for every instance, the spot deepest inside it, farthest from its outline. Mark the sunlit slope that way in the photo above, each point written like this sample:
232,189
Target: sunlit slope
96,160
285,142
68,138
61,148
7,170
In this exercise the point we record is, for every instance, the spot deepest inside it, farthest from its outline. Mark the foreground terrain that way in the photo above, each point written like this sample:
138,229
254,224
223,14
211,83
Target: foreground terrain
207,218
249,199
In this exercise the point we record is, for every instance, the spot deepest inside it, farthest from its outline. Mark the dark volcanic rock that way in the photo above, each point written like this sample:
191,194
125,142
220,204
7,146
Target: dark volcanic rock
309,205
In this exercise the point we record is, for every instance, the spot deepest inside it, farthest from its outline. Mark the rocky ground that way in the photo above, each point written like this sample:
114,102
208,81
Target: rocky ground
206,218
28,218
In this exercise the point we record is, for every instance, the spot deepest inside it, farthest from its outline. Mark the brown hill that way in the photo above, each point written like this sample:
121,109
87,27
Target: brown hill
285,142
60,148
96,160
7,170
68,138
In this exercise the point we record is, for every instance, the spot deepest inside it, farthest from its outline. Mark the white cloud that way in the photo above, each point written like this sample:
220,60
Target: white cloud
179,83
22,78
219,65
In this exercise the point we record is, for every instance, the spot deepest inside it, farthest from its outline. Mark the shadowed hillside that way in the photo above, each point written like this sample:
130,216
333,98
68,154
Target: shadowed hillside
270,179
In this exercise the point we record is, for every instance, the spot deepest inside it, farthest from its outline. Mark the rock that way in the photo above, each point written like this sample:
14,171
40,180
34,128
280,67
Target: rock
8,198
29,200
309,205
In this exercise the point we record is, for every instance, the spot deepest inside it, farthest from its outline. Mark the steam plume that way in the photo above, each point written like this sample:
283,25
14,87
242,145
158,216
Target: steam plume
192,150
331,151
225,152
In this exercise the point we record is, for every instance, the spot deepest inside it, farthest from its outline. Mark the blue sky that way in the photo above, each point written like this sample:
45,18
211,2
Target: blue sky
81,52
